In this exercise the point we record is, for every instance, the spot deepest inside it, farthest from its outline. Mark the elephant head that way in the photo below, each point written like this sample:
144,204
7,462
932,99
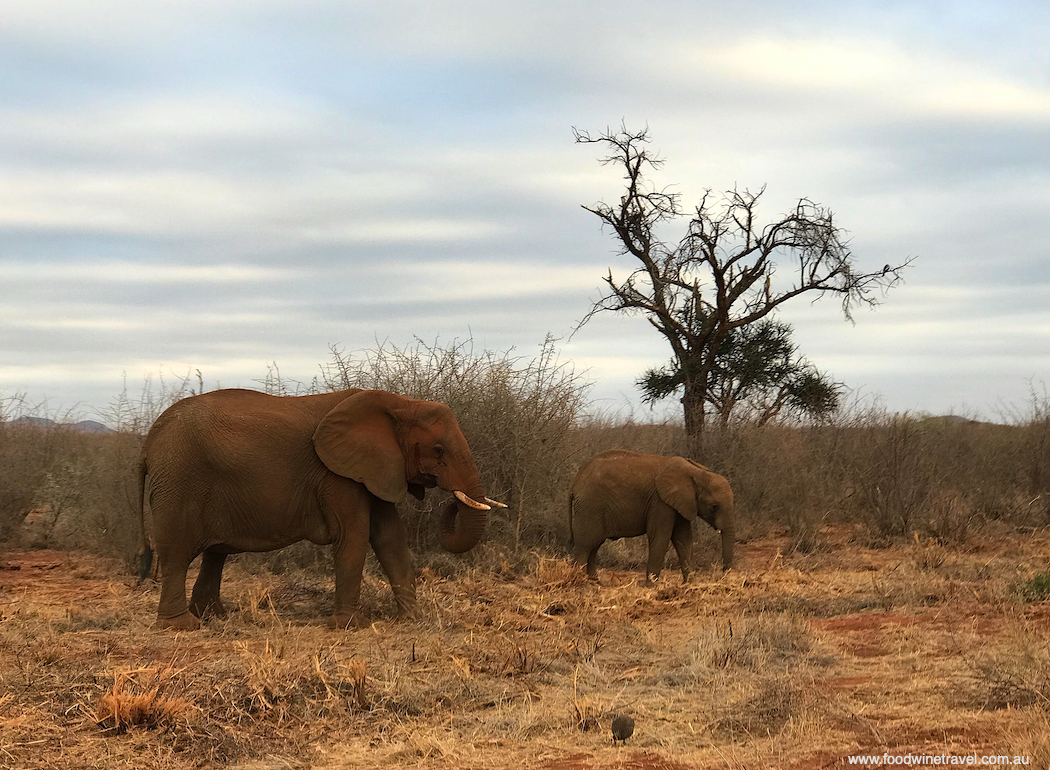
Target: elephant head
693,490
394,445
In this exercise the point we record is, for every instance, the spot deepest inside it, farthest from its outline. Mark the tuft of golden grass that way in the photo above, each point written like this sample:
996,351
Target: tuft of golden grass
584,714
138,698
552,574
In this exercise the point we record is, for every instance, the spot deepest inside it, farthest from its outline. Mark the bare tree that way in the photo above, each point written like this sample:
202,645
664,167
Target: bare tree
720,275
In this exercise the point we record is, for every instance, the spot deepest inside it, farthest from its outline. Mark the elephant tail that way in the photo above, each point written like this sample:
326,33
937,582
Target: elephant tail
145,554
572,534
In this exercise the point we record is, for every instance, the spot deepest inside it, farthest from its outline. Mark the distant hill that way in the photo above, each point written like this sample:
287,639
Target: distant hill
92,426
86,426
941,420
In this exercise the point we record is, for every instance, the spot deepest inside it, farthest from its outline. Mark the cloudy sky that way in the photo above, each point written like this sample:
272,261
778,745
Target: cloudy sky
222,184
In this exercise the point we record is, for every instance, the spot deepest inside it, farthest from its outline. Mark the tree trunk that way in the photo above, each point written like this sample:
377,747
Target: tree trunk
693,405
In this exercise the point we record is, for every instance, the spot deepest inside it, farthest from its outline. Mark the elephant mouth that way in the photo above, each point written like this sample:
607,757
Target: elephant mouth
424,480
429,481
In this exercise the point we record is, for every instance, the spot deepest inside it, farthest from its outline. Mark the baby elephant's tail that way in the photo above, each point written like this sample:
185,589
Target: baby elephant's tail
572,535
145,555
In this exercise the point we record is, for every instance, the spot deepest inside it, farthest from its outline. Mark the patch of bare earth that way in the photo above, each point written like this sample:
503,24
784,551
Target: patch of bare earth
788,661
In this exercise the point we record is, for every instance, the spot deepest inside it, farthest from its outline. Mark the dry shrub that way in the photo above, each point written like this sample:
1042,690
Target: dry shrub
949,518
1014,674
1029,455
927,554
596,434
756,671
1036,458
516,413
66,488
139,698
87,497
892,475
771,703
28,451
631,553
779,477
135,413
943,477
754,643
1033,739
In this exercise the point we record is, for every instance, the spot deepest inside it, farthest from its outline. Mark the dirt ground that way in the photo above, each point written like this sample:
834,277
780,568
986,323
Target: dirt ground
788,661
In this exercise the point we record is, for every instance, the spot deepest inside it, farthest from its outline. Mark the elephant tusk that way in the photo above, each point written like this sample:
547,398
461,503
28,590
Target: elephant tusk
495,503
471,502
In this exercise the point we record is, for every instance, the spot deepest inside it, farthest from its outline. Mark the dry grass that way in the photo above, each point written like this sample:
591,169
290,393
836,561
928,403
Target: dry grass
792,660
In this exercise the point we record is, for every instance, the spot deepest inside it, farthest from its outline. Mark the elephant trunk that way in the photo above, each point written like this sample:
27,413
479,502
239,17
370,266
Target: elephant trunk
462,525
462,522
728,539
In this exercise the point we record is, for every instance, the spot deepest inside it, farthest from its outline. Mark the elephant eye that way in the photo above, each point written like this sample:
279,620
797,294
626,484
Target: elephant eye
439,450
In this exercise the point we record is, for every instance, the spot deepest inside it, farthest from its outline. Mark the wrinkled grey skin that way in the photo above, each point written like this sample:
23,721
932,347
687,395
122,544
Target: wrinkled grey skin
626,494
237,470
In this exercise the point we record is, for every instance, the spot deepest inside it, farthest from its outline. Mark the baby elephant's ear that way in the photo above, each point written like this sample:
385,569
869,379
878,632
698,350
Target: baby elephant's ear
357,440
674,484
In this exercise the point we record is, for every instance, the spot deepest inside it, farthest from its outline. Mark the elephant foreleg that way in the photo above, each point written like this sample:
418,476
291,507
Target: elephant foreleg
682,539
205,601
389,540
659,538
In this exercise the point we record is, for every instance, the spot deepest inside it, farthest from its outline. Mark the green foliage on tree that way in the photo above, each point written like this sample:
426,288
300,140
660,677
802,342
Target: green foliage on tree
757,376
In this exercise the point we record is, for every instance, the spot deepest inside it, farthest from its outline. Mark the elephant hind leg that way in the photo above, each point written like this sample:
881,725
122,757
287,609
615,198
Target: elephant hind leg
587,557
205,601
173,611
592,563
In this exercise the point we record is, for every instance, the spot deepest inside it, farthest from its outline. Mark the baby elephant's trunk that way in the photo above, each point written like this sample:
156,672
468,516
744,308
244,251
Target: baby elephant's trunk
728,539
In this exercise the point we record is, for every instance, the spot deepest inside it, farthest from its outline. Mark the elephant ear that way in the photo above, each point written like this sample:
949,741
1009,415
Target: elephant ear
674,484
695,464
357,440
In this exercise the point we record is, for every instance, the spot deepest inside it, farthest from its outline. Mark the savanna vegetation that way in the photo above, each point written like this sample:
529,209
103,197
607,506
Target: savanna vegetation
889,597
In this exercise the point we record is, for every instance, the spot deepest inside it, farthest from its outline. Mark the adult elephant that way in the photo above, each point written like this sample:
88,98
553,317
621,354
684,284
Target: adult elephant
625,494
238,470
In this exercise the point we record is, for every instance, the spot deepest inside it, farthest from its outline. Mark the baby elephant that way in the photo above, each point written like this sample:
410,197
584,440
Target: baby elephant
625,494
